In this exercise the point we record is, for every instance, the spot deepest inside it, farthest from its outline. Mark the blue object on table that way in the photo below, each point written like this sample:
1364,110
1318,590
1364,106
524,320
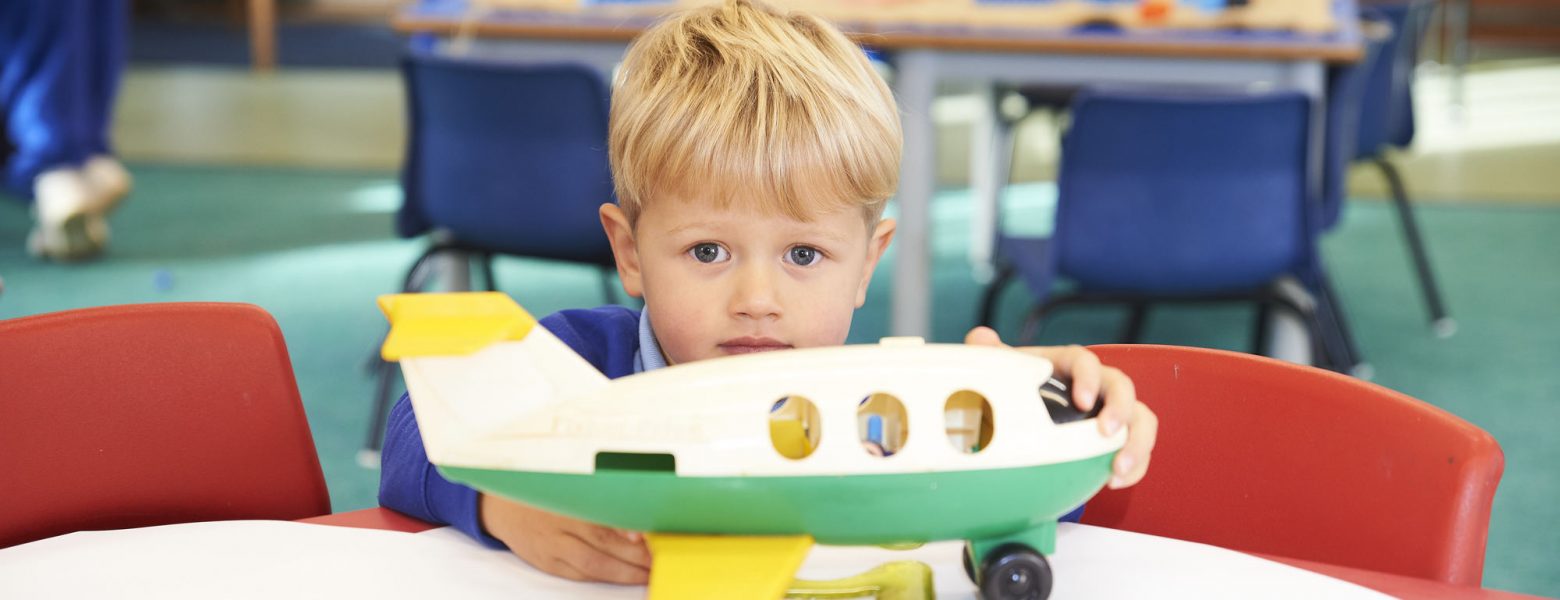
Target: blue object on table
1173,197
503,158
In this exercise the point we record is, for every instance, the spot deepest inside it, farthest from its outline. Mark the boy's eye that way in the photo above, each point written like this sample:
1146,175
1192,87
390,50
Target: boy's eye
802,256
708,253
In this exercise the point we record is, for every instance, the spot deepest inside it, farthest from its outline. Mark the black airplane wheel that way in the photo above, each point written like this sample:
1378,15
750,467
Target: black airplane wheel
1015,572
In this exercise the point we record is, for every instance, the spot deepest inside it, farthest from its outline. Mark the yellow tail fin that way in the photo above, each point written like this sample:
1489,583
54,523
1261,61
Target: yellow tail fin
446,324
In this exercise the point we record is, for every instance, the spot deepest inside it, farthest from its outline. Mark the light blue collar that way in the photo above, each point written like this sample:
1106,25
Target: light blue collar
649,356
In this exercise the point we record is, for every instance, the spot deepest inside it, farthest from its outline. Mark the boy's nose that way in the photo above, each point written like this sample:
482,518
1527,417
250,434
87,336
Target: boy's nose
755,296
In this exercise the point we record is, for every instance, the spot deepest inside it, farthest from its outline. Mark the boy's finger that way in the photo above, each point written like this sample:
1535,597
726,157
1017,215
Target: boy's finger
551,554
618,544
1132,462
595,564
1121,403
565,570
983,336
1082,367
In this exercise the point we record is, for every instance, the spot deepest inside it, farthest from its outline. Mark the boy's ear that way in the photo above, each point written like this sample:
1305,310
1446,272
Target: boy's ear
876,246
624,249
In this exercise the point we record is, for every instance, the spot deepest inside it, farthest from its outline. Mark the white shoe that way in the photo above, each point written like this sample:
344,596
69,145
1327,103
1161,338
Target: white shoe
67,226
109,180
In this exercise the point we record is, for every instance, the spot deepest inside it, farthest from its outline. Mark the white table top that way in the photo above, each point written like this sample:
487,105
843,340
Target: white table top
276,559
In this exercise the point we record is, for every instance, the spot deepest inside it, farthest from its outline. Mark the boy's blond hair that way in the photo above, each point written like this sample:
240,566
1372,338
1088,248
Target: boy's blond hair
746,104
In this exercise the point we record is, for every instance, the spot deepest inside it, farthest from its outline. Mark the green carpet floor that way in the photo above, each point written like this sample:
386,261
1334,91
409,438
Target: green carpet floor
315,249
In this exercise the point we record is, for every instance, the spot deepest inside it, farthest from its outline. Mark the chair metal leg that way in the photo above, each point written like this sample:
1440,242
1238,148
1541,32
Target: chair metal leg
384,371
384,378
1137,318
1440,322
1131,333
1355,360
417,276
1260,334
1034,324
416,279
1315,302
988,301
485,260
1342,354
1324,353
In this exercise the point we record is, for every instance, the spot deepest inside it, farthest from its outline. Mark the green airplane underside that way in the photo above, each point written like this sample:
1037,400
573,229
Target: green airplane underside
992,504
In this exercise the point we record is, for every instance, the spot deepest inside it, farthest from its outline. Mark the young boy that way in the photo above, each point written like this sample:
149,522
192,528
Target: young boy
753,152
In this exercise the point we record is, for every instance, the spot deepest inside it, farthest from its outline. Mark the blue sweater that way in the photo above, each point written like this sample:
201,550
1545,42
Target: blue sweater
609,337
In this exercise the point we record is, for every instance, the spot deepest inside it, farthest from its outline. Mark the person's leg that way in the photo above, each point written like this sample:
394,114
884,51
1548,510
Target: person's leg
6,147
107,28
43,87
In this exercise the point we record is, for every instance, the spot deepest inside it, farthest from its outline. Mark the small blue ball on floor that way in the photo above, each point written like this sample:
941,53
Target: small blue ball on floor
162,280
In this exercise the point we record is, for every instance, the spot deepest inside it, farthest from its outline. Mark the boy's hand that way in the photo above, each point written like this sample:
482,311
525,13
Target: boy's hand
1089,380
566,547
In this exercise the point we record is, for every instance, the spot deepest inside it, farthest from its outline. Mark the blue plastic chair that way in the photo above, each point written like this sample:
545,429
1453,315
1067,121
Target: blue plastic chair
1182,197
1386,120
503,158
508,158
1346,83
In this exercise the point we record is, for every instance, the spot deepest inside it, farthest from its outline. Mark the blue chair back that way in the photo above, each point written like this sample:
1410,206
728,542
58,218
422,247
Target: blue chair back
509,158
1387,108
1346,85
1184,194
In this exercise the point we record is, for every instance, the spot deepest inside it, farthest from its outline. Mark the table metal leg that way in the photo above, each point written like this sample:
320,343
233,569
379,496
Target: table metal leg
1459,13
988,177
915,87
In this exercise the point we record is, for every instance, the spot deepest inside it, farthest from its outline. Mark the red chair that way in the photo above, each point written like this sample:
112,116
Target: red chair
140,415
1264,456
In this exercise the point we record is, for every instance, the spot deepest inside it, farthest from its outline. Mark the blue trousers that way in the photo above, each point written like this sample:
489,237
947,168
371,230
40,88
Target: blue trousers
60,63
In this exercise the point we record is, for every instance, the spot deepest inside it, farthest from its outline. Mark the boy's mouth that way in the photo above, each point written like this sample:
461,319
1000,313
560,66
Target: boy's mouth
748,345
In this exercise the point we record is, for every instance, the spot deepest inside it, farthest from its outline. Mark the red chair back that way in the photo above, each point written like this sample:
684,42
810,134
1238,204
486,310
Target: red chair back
1265,456
140,415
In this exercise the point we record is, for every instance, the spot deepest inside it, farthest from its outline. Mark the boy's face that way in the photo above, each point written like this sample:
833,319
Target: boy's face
719,282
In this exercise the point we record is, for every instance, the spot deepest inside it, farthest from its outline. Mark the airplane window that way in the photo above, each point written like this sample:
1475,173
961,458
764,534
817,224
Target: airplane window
967,417
882,424
795,427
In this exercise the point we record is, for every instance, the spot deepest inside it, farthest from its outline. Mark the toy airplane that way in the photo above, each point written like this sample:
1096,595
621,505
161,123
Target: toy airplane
736,465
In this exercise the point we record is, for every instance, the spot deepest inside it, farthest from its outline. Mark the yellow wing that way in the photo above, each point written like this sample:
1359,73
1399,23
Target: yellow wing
697,567
457,323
